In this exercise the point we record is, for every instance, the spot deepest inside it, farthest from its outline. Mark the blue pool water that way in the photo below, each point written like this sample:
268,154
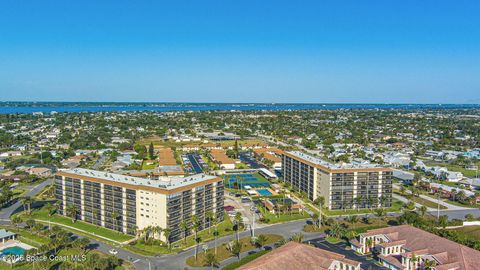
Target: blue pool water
264,192
17,251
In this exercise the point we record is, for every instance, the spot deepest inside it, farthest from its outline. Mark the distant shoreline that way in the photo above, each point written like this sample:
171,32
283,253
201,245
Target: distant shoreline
76,107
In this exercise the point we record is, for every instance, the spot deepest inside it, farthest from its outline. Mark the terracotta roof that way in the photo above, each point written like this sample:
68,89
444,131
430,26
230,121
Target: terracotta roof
166,157
294,255
418,241
219,156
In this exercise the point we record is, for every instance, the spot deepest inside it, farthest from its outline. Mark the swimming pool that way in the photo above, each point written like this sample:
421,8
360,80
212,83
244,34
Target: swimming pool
264,192
17,251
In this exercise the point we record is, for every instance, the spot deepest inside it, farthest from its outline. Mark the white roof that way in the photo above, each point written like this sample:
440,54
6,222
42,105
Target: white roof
268,173
330,165
163,182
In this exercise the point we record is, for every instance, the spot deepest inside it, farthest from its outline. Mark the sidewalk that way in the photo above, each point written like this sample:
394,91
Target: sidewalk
428,198
82,231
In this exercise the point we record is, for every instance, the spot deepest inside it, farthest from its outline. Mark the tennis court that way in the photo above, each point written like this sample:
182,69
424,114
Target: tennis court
245,179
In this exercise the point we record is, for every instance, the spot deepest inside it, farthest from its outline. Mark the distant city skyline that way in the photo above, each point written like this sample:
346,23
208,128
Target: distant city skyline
246,52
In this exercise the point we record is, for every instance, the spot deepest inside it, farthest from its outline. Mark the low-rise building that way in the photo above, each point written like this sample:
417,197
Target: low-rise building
294,255
405,247
223,161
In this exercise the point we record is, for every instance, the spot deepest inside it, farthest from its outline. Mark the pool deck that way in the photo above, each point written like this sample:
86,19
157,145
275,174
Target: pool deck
14,243
272,192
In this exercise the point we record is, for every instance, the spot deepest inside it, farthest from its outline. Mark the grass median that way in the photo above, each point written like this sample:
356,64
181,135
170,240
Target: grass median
223,253
41,215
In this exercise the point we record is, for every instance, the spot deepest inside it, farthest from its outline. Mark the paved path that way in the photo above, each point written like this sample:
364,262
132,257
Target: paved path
99,162
405,200
6,212
428,198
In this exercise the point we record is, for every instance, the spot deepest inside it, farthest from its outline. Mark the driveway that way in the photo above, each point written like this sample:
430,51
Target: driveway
349,254
6,212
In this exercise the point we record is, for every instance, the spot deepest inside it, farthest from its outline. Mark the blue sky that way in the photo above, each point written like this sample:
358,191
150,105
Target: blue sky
241,51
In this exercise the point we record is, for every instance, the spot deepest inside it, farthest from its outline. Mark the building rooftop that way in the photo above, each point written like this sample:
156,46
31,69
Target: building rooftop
330,165
420,242
297,256
5,233
163,182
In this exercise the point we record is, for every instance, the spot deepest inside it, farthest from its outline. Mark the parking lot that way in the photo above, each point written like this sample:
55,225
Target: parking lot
193,163
247,158
367,263
245,208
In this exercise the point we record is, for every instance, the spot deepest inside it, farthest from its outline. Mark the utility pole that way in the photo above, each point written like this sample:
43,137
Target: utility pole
253,224
438,207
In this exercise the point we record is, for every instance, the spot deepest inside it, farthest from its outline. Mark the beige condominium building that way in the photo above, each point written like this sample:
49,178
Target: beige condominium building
344,186
126,203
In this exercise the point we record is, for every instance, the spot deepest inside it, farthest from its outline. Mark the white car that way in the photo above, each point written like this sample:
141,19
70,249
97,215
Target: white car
113,251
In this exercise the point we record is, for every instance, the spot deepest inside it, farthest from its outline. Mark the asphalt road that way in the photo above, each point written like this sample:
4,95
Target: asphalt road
177,261
99,162
6,212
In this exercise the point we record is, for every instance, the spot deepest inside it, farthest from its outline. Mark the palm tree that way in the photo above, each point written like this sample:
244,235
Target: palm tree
315,220
358,201
260,241
321,202
211,260
238,222
27,201
195,227
166,233
422,210
235,248
429,264
16,220
215,235
184,228
136,231
369,243
115,217
50,209
72,212
298,237
210,216
413,261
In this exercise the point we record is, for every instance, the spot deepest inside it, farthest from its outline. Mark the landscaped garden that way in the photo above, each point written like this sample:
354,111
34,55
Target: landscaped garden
54,241
232,249
45,216
396,207
150,248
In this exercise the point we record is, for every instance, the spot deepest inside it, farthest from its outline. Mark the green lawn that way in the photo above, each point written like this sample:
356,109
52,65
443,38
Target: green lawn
273,218
452,202
223,253
42,215
45,194
36,240
455,168
245,260
421,201
146,166
396,207
224,228
19,192
470,231
333,240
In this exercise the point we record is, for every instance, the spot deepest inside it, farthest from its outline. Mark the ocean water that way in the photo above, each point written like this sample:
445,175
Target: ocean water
28,108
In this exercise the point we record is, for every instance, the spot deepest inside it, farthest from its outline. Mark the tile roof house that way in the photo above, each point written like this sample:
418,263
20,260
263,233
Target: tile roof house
405,247
294,255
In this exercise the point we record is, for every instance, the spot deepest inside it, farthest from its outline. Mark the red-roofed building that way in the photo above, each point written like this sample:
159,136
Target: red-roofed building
405,247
